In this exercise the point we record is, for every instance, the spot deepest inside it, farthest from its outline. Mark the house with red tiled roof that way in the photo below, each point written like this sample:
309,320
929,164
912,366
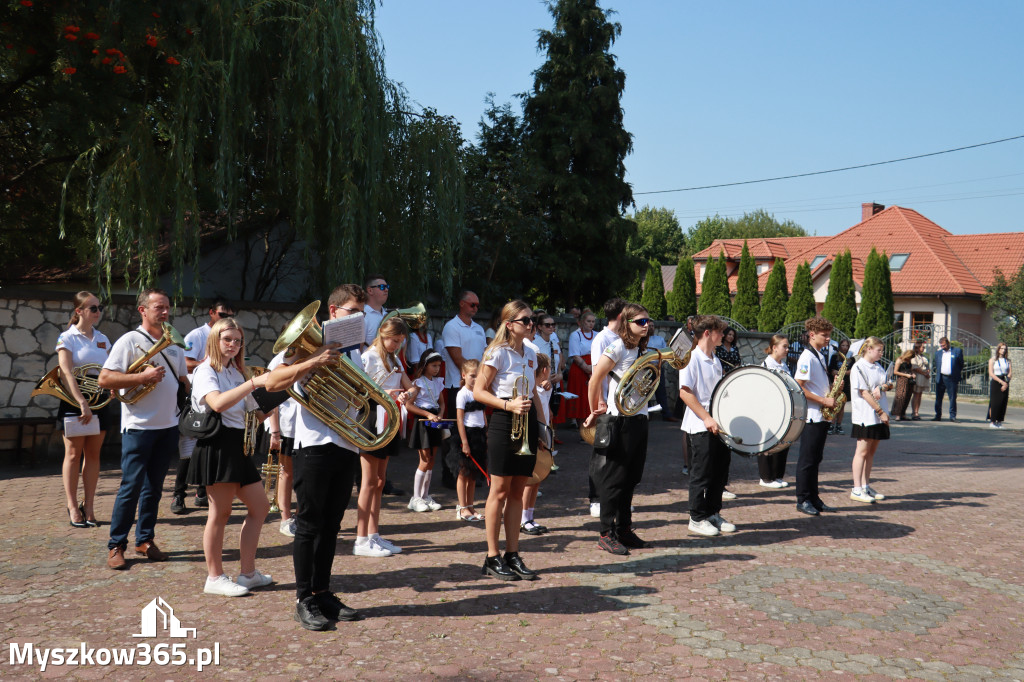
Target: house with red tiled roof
937,277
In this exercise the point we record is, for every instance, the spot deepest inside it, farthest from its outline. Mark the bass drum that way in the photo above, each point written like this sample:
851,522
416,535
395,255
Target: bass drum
763,410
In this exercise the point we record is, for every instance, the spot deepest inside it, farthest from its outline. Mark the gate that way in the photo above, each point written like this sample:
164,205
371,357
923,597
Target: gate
977,351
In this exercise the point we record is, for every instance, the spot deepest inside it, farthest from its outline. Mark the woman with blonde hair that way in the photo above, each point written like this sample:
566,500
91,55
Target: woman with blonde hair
219,462
1000,371
82,344
870,416
507,383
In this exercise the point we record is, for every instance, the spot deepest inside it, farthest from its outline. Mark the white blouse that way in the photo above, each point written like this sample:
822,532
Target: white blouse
623,358
773,364
866,376
374,366
84,351
429,397
206,379
511,367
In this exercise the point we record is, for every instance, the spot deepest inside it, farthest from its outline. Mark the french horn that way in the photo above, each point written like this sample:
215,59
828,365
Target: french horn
640,381
85,376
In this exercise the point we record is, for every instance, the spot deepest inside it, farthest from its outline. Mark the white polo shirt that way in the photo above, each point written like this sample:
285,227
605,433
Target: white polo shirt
623,359
415,348
811,368
286,411
196,342
604,338
866,376
84,351
372,320
700,375
469,338
158,408
310,431
579,345
207,380
510,367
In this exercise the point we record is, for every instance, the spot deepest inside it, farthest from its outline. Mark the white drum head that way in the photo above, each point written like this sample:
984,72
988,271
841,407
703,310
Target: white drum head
753,405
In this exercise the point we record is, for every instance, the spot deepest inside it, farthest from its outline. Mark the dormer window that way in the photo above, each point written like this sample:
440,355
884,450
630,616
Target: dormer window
897,261
818,260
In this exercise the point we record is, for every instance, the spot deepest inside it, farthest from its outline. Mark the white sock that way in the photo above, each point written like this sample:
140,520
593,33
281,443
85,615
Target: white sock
525,517
417,485
427,475
856,491
362,540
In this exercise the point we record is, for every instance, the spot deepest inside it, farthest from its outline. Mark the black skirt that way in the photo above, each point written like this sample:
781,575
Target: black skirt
105,414
220,460
503,458
389,450
873,432
460,463
423,437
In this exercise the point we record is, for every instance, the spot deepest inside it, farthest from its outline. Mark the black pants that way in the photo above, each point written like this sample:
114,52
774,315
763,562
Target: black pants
812,449
617,470
709,470
323,478
772,467
181,480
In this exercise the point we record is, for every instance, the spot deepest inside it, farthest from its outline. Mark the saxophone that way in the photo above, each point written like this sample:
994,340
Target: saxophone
836,393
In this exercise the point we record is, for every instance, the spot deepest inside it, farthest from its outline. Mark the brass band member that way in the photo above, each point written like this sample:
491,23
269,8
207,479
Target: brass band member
812,375
506,383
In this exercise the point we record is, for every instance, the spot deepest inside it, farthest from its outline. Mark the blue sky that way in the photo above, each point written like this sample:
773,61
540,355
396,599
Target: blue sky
722,92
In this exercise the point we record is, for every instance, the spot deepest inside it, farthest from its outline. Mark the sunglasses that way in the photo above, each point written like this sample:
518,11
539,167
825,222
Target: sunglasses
643,321
473,305
525,321
223,315
94,308
547,324
382,287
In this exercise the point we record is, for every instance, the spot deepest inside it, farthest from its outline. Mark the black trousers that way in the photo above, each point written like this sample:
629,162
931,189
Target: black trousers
617,470
323,478
812,450
772,467
709,470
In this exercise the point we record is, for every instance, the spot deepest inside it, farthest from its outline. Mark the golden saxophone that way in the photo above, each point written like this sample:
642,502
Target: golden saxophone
836,393
134,394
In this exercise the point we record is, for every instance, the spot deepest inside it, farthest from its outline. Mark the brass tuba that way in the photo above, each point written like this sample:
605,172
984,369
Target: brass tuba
51,384
331,391
414,316
134,394
641,380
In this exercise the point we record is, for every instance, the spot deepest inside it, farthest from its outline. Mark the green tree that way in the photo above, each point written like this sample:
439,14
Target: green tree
801,304
682,300
575,131
1005,301
756,225
775,299
701,235
841,303
635,290
714,289
654,292
123,129
747,304
658,235
872,319
888,304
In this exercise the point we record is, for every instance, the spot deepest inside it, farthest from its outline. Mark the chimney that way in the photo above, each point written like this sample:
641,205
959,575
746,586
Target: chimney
870,209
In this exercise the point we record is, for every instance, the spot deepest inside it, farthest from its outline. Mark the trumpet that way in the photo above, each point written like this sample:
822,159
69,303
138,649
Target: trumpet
271,475
134,394
51,384
252,423
521,422
331,390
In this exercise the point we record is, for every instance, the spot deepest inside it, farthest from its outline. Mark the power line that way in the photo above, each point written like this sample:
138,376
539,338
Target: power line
833,170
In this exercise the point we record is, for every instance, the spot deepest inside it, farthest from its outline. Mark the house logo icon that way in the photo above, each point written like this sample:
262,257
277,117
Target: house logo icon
159,611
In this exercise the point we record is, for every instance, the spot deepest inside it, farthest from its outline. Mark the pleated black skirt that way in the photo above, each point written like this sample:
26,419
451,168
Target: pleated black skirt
221,460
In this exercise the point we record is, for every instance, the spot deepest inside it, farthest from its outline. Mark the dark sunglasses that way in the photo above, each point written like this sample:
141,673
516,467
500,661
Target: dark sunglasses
547,324
525,321
643,321
473,305
94,308
224,316
382,287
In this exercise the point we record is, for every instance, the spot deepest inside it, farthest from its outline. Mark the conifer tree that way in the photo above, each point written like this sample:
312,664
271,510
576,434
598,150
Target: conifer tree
871,296
682,300
885,322
654,292
841,303
801,303
776,296
747,304
714,291
635,290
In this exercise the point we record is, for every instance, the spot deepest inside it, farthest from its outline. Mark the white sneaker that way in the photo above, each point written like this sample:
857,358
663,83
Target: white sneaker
993,425
257,580
721,524
418,504
728,495
765,484
873,493
364,547
704,527
434,506
859,495
782,484
595,510
287,527
386,544
686,471
225,587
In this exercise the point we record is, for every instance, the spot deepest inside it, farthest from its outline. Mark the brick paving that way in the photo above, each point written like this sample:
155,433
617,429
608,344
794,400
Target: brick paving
924,585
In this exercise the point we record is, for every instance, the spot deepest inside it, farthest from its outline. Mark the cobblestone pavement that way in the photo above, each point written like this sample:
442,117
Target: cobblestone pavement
926,584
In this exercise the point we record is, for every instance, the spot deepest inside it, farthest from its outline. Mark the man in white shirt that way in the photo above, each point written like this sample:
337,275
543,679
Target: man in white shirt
149,428
195,353
463,339
606,337
377,292
324,465
812,375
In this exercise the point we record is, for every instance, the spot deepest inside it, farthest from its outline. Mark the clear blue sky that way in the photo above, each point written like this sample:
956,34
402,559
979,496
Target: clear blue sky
721,92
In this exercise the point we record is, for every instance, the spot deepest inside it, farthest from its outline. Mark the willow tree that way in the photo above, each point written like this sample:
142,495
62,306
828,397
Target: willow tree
175,120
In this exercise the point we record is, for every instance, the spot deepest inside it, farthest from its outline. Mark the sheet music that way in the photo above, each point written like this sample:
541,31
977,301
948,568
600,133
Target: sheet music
348,332
74,428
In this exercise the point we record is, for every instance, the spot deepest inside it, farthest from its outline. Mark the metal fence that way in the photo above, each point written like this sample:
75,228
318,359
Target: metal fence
974,381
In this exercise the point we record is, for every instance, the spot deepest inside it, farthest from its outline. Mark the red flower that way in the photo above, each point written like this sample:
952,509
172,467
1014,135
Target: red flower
120,69
172,61
30,50
111,50
106,60
71,36
155,15
9,46
70,70
92,36
151,40
95,51
26,3
188,31
71,28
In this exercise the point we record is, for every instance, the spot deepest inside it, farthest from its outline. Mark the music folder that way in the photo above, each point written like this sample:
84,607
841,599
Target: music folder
268,400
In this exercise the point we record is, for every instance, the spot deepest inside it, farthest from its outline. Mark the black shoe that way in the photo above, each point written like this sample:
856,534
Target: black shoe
496,566
307,612
609,543
936,419
90,524
531,528
822,507
627,538
76,524
953,419
390,489
332,608
178,504
807,508
202,502
515,563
